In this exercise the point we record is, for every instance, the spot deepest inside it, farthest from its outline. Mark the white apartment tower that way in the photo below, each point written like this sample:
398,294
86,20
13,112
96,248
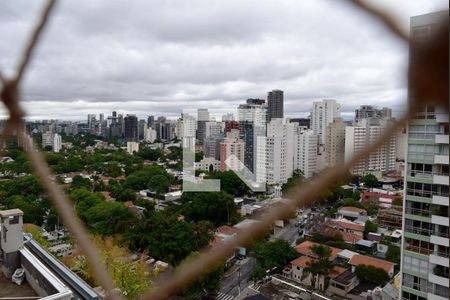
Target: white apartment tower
335,142
57,142
357,137
324,112
425,241
275,153
305,151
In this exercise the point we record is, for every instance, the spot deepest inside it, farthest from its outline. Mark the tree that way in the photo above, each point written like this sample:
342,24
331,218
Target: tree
372,274
257,274
272,254
370,226
131,277
139,180
319,267
393,254
199,156
79,182
216,207
230,183
296,179
159,184
168,238
208,282
369,180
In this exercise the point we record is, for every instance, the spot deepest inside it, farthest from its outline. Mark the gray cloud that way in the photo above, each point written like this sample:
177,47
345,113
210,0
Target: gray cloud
160,57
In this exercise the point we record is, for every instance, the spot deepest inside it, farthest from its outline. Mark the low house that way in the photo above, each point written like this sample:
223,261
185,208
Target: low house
343,284
348,227
352,213
366,246
357,260
305,249
296,272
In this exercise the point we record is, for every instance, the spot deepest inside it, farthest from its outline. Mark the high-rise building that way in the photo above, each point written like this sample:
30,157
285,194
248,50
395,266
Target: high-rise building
47,139
57,142
275,105
151,121
252,124
323,113
91,122
369,111
275,153
234,147
202,118
131,128
335,142
305,151
141,125
425,241
357,137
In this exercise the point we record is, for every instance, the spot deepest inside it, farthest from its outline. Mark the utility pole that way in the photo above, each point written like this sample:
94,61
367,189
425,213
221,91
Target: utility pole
239,278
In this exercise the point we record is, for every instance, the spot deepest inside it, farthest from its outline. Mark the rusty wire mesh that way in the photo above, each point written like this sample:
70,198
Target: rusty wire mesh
427,83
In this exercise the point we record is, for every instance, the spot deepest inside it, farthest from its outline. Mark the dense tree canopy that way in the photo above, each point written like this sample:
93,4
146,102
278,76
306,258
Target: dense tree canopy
372,274
167,238
105,218
140,180
230,183
217,207
274,254
369,180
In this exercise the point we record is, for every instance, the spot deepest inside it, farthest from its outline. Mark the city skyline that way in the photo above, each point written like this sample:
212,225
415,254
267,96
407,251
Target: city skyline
194,58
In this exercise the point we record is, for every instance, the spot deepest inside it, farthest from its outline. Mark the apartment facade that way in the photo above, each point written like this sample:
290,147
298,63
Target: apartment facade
233,147
275,105
425,242
275,153
305,155
335,142
324,112
357,137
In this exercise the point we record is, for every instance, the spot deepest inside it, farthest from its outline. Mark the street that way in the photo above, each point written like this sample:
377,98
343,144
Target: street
241,273
288,233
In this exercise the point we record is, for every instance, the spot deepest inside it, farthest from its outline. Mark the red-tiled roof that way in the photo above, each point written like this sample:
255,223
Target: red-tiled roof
348,225
305,249
227,230
358,259
337,270
353,209
301,261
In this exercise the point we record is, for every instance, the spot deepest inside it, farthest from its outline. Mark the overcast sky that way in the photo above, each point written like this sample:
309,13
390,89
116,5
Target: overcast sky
160,57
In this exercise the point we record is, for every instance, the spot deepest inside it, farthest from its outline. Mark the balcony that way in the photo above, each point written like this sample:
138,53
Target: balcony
441,200
419,193
418,212
441,139
440,220
441,118
438,240
441,159
438,260
441,254
420,250
418,230
422,136
440,179
420,156
438,279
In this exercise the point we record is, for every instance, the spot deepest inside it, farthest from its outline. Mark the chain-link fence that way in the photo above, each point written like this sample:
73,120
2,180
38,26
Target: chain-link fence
427,85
